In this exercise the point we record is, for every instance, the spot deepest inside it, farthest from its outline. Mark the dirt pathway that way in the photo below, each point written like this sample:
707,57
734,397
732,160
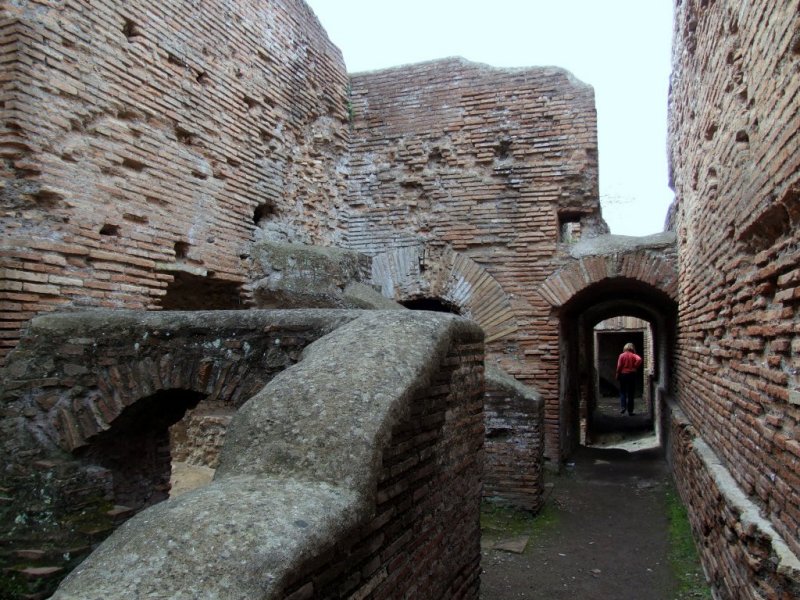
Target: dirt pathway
603,534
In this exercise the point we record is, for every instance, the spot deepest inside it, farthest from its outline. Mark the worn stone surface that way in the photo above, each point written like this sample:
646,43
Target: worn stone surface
615,244
360,295
735,164
303,276
320,451
80,387
187,477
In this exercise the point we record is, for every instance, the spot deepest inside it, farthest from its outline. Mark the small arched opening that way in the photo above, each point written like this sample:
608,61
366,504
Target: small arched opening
133,455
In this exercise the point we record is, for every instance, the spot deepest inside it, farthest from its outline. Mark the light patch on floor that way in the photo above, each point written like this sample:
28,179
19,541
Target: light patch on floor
631,444
186,477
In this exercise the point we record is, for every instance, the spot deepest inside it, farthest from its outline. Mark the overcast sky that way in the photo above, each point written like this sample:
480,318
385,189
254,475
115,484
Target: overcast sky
620,47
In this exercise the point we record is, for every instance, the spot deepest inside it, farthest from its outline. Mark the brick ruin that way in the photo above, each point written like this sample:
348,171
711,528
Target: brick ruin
734,138
172,134
223,159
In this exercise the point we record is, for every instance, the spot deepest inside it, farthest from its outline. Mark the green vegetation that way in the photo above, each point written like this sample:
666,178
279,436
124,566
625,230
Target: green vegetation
12,585
683,558
500,521
350,112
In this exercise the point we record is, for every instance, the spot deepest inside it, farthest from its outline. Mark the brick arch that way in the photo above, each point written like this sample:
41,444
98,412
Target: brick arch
645,266
415,271
629,276
76,421
74,374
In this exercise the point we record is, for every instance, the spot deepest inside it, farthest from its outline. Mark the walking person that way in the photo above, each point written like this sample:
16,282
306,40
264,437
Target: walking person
627,365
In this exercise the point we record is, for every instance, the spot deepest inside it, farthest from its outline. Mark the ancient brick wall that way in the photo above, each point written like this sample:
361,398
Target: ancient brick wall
491,164
609,276
144,144
744,557
514,445
734,141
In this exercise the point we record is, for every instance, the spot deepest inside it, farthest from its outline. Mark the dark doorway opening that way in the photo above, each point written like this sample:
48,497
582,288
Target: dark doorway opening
433,304
133,454
608,346
583,386
606,425
193,292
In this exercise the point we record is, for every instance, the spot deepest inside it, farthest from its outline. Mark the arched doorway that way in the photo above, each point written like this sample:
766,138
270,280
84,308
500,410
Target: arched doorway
581,357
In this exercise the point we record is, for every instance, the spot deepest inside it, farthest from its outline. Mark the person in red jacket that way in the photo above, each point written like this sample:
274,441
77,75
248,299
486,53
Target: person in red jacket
627,365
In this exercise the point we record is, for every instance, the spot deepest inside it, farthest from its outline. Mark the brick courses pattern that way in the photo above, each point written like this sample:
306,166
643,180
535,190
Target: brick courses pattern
167,124
416,271
481,161
514,447
424,540
734,139
654,268
739,556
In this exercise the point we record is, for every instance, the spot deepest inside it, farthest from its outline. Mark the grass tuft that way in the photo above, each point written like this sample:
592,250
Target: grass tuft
683,558
501,521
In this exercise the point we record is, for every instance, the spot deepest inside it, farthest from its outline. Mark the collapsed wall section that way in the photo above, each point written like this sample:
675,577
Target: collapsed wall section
492,165
734,134
145,144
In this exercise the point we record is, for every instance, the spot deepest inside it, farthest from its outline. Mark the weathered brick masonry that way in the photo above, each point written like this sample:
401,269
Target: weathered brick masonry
423,541
142,141
486,163
514,443
734,139
176,136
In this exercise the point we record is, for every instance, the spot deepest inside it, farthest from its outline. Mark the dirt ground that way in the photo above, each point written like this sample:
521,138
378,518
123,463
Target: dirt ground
604,531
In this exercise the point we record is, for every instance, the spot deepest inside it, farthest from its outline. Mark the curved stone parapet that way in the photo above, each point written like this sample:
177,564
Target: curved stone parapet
371,444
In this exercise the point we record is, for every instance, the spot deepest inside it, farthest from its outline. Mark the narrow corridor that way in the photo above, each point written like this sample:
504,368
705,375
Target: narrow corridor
603,534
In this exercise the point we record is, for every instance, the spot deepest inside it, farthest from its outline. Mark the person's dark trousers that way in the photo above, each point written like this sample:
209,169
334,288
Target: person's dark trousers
627,388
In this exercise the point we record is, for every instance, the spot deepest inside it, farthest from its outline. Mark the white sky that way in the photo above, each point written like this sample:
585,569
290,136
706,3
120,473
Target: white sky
620,47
